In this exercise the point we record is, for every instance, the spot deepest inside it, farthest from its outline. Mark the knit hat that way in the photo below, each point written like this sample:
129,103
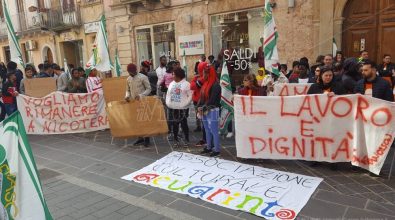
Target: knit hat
132,68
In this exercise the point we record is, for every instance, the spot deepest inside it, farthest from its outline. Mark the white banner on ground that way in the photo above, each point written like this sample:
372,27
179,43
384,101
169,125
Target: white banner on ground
355,128
62,113
20,188
291,89
264,192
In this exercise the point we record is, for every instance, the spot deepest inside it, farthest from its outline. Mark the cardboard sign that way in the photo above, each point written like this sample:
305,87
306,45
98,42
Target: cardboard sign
264,192
291,89
62,113
137,118
114,88
357,129
40,87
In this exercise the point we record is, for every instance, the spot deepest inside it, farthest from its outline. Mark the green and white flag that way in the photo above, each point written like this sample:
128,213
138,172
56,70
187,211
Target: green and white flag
226,100
20,188
270,37
334,48
100,58
13,40
118,67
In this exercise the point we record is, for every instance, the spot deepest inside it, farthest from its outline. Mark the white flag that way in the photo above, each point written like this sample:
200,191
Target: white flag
20,188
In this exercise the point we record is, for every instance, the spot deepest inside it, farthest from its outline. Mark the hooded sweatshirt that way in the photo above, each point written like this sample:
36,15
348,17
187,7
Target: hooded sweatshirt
179,95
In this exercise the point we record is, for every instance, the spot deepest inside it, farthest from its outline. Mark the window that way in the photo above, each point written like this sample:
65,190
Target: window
156,41
68,5
237,37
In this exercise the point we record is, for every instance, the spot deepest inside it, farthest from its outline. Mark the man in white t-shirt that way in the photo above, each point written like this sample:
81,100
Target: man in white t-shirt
160,73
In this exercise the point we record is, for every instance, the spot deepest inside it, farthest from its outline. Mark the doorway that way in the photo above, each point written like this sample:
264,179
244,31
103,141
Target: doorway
369,26
72,51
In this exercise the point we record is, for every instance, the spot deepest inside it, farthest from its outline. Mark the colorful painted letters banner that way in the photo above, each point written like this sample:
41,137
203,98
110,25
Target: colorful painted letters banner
264,192
62,113
291,89
357,129
21,195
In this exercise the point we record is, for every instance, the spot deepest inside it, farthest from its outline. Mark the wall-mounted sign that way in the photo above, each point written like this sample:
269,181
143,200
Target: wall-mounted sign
191,44
363,41
69,36
92,27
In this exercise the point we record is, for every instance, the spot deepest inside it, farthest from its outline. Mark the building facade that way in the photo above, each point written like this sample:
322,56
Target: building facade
147,29
53,30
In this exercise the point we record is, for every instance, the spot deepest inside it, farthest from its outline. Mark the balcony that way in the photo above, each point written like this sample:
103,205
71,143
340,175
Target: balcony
54,19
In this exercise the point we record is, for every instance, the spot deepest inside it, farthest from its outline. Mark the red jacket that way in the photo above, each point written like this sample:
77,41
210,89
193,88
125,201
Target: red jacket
195,87
259,91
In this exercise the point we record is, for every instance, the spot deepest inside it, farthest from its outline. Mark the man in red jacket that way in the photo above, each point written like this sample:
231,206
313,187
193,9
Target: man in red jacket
196,84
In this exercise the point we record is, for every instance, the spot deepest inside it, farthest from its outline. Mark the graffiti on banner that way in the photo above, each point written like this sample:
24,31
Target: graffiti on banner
355,128
291,89
264,192
60,113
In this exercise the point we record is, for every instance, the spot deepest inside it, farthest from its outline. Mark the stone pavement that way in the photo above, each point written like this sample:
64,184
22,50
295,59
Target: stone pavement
81,174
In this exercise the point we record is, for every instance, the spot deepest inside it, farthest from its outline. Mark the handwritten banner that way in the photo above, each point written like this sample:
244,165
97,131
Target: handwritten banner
356,129
264,192
291,89
61,113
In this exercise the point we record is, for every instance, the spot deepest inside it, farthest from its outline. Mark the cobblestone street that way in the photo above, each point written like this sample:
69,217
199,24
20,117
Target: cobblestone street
81,177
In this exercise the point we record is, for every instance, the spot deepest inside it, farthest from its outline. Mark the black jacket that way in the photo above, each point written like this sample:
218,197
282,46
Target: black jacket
336,87
381,89
214,100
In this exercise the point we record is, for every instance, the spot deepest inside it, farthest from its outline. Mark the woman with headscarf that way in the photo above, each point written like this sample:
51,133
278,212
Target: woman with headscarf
208,110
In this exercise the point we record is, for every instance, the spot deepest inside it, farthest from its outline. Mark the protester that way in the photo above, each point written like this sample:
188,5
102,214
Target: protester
305,61
137,86
46,71
319,61
363,55
211,60
12,67
202,59
208,110
260,76
167,78
145,67
9,92
160,73
387,69
82,72
283,68
178,99
339,58
196,85
93,82
373,85
251,87
29,75
3,73
176,65
326,83
40,68
76,84
63,80
328,60
301,76
350,75
316,77
294,70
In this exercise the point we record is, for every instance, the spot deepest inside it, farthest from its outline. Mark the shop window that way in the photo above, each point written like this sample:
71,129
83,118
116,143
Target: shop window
237,36
154,42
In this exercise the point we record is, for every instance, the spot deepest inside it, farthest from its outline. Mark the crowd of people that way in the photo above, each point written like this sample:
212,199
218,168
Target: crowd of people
328,75
13,82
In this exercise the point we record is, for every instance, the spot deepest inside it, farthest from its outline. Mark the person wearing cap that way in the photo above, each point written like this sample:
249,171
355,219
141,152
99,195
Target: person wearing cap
93,82
137,86
145,67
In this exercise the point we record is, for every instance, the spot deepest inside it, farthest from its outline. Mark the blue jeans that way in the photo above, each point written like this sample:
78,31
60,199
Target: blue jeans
211,124
10,108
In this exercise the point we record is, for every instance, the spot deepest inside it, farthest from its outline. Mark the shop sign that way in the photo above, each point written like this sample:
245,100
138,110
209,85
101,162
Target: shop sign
92,27
191,44
69,36
240,59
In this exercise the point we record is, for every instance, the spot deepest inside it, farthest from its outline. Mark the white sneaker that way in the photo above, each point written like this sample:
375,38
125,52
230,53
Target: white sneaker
229,135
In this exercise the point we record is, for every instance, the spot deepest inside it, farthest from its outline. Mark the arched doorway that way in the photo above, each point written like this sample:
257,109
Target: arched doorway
48,55
369,25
